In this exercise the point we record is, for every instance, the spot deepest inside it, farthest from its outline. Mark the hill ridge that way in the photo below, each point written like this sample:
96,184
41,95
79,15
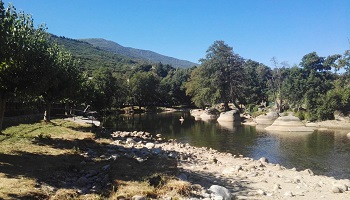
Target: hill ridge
140,54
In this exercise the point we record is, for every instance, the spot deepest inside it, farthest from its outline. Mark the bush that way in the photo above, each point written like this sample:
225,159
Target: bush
300,114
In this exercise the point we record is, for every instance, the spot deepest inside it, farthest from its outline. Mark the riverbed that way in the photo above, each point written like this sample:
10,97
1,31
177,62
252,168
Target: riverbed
324,152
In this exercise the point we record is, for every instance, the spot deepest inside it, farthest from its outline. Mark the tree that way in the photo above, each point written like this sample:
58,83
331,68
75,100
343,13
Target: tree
219,78
294,86
22,46
109,90
256,78
144,89
318,81
276,82
64,77
172,87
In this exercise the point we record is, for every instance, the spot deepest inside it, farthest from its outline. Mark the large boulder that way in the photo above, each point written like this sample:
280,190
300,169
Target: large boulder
230,116
289,124
209,114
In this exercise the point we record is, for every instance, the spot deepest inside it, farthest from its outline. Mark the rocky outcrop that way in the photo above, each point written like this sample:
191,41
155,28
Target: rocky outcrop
266,119
289,124
230,116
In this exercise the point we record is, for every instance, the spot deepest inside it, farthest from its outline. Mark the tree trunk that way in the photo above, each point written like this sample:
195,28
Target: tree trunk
226,107
47,114
2,111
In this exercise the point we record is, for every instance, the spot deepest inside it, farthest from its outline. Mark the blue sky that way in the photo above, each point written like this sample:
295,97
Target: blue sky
184,29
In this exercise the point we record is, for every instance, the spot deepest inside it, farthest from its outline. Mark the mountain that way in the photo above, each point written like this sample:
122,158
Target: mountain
92,58
138,54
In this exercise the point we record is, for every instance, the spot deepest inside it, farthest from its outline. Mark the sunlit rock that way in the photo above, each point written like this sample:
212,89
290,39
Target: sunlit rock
289,124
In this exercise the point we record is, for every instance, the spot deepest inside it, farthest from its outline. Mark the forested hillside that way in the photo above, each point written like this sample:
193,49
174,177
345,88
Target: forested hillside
145,55
92,58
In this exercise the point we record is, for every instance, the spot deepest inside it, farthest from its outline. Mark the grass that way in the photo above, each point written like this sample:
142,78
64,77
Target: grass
36,160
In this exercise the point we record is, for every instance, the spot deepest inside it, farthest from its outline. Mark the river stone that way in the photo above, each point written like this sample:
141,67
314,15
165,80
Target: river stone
138,197
150,145
220,191
182,176
288,194
309,172
335,189
130,141
263,160
82,181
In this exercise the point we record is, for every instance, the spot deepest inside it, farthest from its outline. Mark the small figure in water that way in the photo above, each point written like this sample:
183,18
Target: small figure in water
182,119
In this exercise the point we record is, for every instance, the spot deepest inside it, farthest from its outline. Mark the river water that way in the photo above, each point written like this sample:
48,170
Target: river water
324,152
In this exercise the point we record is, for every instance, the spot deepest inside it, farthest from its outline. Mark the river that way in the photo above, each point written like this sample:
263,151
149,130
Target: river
324,152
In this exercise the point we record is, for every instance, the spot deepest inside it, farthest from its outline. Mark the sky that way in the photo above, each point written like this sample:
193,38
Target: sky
184,29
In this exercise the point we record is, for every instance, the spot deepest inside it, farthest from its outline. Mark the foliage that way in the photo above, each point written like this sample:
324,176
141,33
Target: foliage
256,83
220,77
144,89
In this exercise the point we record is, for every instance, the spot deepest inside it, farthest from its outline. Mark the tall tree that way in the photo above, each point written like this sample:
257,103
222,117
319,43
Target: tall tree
22,46
256,78
220,76
144,89
63,75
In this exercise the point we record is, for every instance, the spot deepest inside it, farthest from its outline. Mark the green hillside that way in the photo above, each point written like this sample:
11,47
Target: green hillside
138,54
92,57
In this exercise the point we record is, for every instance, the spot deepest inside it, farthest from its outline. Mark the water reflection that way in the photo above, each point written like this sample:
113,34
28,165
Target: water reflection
325,152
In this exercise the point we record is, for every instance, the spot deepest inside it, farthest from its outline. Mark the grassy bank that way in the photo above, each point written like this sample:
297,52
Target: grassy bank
51,160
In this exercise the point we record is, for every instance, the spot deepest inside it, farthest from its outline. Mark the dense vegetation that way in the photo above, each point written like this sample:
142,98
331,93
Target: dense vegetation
35,68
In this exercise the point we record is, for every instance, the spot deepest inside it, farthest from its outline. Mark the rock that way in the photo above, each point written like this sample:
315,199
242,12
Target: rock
266,119
288,194
348,135
289,124
263,160
150,145
341,187
156,151
182,176
91,173
159,135
106,167
82,181
229,116
220,191
261,192
276,187
130,141
172,155
138,197
309,172
335,189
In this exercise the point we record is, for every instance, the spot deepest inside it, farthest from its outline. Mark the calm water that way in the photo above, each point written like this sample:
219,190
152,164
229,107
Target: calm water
325,152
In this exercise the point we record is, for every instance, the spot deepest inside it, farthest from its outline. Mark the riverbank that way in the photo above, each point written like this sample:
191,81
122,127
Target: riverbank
65,160
225,175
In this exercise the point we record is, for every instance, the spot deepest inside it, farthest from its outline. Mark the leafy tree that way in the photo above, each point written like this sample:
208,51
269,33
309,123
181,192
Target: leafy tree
172,87
64,78
318,82
256,79
219,78
22,49
109,90
294,87
144,89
